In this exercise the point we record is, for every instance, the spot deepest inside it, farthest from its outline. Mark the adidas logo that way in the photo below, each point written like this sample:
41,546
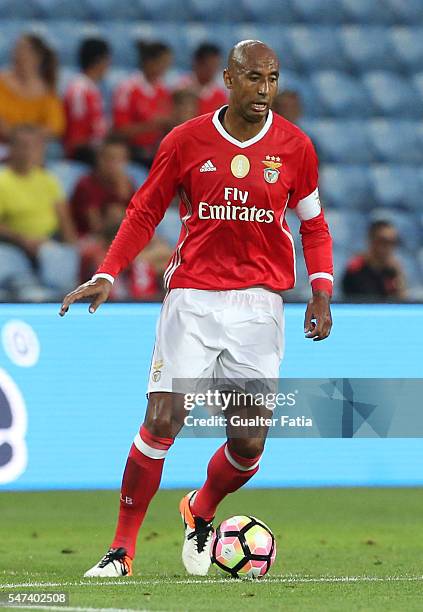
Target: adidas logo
208,167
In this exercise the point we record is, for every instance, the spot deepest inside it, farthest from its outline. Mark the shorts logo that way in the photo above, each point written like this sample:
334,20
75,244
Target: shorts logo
156,375
240,166
271,172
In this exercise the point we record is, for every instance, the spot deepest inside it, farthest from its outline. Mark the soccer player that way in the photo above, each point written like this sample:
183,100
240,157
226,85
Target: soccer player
237,171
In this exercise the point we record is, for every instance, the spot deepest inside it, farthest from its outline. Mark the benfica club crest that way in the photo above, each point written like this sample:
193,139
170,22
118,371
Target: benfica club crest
271,172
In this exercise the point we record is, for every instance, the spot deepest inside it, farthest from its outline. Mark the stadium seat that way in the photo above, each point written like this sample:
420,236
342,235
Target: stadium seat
392,95
65,37
346,186
340,141
19,9
63,9
303,86
317,47
417,82
318,11
66,74
409,231
408,45
110,10
413,277
365,12
408,12
396,186
68,173
278,37
341,95
218,10
348,227
397,141
368,48
269,11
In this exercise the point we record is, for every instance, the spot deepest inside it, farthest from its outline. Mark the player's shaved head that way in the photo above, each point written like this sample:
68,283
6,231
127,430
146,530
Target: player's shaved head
247,53
252,77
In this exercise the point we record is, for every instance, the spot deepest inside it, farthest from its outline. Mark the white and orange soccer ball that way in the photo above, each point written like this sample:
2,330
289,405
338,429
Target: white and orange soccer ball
243,546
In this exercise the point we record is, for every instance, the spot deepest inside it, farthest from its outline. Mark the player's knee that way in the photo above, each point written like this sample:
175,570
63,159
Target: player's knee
248,448
159,417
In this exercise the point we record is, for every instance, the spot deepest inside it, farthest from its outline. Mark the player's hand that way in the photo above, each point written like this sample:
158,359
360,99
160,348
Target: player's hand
318,318
98,291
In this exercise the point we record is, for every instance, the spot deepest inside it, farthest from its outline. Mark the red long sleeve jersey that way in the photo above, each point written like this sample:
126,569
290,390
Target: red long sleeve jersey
233,200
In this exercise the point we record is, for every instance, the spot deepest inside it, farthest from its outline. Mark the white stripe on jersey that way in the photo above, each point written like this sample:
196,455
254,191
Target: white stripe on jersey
175,263
281,219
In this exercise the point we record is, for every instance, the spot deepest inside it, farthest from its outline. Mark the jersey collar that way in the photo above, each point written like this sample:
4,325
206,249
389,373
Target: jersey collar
247,143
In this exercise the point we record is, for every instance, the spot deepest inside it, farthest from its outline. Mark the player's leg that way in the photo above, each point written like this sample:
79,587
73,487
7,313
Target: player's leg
179,354
254,341
141,480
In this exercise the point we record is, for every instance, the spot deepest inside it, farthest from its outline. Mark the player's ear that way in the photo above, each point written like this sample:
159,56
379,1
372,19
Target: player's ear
227,79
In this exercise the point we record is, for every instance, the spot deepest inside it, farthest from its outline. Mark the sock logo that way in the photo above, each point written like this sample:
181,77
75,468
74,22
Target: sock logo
126,500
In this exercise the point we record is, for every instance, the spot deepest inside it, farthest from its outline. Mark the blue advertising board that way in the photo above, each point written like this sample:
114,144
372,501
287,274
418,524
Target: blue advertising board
72,397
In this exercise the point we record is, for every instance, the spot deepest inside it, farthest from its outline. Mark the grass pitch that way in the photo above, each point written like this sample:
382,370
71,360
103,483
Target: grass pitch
338,550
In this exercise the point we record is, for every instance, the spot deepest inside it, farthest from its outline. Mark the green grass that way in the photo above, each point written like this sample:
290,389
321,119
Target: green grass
321,534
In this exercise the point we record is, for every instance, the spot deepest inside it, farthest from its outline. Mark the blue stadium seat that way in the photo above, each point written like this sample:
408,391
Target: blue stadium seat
341,257
392,95
408,45
301,84
340,141
19,9
65,37
10,31
397,141
66,74
368,48
408,11
68,173
64,9
417,82
216,11
346,186
165,10
278,37
269,11
318,11
408,230
365,12
396,186
341,95
170,227
317,47
110,10
348,228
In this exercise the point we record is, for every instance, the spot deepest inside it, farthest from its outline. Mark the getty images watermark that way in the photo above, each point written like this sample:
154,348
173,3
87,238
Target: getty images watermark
302,408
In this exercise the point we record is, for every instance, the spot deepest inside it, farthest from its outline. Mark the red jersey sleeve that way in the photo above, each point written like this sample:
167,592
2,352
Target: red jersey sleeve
315,236
146,209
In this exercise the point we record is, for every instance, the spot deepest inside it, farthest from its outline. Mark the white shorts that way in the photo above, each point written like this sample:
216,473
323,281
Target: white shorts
232,335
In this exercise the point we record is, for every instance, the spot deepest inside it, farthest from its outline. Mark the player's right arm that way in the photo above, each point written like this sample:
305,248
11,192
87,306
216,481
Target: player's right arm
145,211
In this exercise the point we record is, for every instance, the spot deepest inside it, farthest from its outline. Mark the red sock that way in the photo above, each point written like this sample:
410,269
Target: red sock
227,472
141,480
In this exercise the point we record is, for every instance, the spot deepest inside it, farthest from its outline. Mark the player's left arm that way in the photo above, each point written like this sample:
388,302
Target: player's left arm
317,246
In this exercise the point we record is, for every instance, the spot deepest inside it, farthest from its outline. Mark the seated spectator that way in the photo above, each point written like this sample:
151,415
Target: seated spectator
107,185
98,206
28,89
85,119
205,80
38,259
376,275
288,104
142,104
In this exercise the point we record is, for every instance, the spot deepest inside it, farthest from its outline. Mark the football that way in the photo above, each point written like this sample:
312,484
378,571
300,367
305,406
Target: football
243,546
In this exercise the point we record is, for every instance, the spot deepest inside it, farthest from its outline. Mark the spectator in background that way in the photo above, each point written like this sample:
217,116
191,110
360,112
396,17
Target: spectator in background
142,104
98,206
288,104
203,80
28,89
38,259
185,105
376,275
85,119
